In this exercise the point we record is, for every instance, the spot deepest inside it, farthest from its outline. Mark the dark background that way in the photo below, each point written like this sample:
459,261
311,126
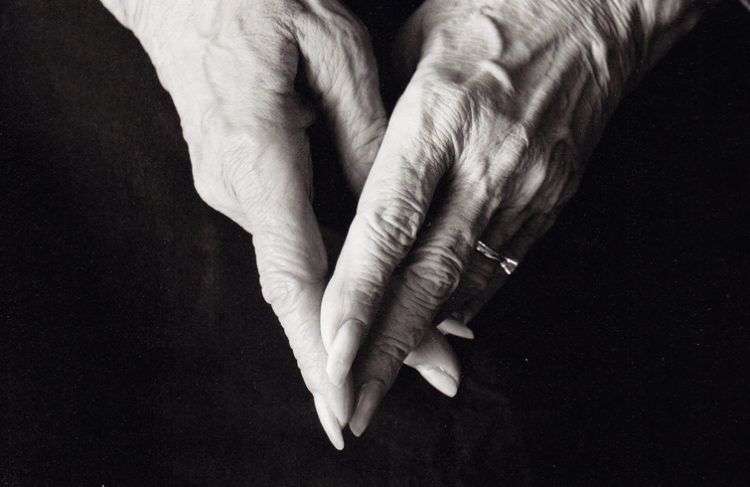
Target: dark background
137,348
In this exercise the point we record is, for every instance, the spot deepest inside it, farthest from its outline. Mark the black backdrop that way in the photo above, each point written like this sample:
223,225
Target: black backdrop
137,349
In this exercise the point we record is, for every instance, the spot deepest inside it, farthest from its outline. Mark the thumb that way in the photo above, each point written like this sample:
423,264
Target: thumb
292,263
341,69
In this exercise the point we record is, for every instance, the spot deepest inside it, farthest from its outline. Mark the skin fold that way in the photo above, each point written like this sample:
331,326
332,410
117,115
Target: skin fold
505,103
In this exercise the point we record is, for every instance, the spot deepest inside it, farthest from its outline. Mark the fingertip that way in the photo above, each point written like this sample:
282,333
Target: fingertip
343,350
437,363
340,401
370,395
440,379
330,423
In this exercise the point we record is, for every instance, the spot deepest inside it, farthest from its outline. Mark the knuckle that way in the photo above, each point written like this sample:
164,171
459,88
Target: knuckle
456,104
206,189
393,348
232,154
516,141
211,190
332,21
351,30
394,225
345,26
287,289
288,273
437,264
478,278
528,183
435,276
368,289
282,290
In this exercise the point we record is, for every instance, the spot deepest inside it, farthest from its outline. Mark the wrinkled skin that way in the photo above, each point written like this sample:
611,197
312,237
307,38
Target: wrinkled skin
230,67
506,102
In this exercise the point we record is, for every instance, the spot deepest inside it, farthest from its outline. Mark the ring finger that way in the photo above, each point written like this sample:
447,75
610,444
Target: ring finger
507,240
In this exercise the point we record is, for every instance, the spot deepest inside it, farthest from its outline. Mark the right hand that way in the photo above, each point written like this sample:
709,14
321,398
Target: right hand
230,67
487,143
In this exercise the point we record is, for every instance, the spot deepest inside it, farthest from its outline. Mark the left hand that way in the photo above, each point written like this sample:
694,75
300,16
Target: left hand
487,143
231,69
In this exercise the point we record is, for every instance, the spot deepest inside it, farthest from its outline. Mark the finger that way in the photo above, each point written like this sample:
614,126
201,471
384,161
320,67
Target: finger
432,353
481,273
512,232
474,299
428,278
329,422
292,264
274,206
481,278
341,68
246,132
433,270
266,164
391,211
436,362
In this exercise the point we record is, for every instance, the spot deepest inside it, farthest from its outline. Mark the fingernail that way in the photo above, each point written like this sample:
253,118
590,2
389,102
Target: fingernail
329,423
342,409
440,380
452,326
343,350
370,395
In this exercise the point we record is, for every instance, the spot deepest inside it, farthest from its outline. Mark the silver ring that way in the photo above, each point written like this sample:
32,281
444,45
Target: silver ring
506,263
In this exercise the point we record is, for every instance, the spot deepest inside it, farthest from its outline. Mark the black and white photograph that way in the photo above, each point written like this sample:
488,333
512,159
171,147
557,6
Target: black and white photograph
375,242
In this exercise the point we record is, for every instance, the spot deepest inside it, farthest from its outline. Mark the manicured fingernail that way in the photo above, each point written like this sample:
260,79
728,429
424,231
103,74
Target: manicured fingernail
329,423
370,395
452,326
342,409
440,380
343,350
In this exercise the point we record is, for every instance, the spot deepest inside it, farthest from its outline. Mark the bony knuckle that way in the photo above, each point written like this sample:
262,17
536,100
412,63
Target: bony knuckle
394,225
394,347
434,278
209,190
352,31
479,276
368,289
516,141
282,290
332,23
346,26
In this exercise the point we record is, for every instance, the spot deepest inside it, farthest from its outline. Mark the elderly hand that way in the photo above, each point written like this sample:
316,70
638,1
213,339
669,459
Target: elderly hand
231,67
487,142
